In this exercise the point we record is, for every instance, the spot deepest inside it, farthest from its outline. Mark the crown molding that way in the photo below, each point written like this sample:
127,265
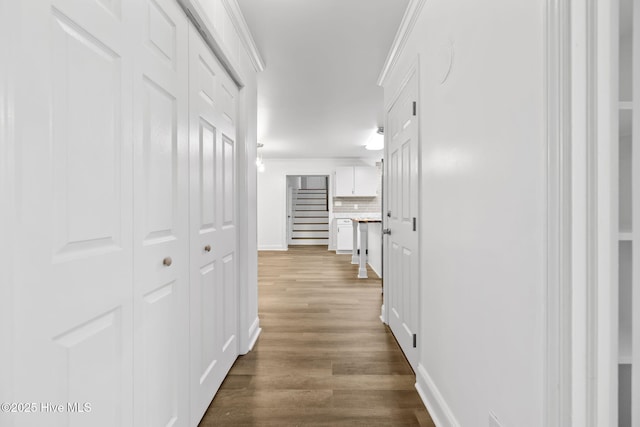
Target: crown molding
402,35
233,8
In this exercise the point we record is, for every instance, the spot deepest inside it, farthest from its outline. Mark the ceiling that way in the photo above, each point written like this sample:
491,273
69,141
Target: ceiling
317,97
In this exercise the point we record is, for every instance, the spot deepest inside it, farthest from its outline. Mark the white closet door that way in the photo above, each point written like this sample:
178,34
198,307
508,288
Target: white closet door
161,203
214,264
402,279
71,302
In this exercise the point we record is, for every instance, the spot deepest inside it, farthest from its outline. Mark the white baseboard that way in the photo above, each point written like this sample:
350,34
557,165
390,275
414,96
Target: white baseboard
375,271
440,412
254,333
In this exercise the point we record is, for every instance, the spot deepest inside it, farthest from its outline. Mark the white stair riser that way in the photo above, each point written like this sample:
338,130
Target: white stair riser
308,227
318,214
312,196
322,221
311,208
310,242
315,202
303,191
315,234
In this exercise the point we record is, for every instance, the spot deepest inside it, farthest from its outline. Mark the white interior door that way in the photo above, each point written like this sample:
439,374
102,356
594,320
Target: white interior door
72,309
402,275
214,264
161,203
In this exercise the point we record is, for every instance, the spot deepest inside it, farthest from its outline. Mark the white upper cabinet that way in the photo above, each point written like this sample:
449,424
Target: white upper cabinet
365,181
356,181
344,182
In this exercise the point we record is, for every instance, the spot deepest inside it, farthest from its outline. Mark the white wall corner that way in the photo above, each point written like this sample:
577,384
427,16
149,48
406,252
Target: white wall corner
409,19
438,408
237,18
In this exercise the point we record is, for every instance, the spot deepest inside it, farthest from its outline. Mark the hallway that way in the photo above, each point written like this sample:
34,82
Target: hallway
324,357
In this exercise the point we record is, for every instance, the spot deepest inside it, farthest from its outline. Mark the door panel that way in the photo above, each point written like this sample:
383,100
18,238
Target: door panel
72,311
402,271
86,133
161,235
228,185
214,297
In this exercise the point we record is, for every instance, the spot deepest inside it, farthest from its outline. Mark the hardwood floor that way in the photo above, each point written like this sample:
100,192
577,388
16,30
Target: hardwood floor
324,358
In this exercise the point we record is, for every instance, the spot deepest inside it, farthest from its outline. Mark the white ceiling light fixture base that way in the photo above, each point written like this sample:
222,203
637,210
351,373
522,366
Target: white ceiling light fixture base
376,140
259,162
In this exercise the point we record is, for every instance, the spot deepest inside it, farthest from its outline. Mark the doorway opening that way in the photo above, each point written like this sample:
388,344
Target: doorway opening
308,210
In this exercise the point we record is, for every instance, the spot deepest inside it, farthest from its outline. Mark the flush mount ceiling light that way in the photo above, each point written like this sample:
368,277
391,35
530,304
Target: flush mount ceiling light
259,162
376,140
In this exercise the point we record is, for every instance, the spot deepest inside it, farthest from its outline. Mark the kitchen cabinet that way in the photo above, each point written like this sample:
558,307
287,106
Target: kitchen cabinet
345,236
356,181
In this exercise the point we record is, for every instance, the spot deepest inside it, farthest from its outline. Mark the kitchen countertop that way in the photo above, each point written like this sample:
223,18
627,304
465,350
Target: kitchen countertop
358,215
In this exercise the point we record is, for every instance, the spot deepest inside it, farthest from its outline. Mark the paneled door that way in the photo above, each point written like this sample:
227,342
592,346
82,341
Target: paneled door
402,273
161,215
71,300
214,264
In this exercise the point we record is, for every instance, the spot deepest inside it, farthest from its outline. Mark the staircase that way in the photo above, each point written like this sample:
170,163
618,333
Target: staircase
310,218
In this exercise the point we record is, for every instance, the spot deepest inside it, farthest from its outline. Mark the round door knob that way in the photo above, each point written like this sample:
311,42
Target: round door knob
207,248
167,261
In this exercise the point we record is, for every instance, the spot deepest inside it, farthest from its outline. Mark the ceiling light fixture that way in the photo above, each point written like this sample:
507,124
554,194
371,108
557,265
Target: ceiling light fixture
376,140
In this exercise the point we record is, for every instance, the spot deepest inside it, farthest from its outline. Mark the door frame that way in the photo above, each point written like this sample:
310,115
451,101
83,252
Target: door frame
558,339
289,210
289,205
594,84
581,289
414,69
246,219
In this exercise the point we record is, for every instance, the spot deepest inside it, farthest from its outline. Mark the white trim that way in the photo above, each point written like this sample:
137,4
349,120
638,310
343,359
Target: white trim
440,412
558,337
592,261
594,216
212,38
247,244
254,334
374,270
409,19
604,182
411,70
233,8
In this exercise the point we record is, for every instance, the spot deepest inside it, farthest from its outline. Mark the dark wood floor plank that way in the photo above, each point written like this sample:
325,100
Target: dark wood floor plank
324,357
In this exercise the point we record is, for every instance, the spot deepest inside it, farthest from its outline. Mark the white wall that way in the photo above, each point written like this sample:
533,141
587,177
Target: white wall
272,200
482,209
